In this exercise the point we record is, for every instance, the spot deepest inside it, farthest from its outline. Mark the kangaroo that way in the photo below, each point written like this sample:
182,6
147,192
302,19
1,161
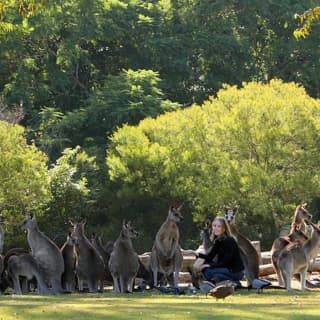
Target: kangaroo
69,258
24,265
89,263
45,252
249,254
124,261
96,242
295,236
205,236
301,215
166,256
294,259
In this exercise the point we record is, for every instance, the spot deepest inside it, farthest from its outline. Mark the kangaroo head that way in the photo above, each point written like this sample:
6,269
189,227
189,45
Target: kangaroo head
78,228
28,223
230,214
300,214
128,231
175,214
206,226
70,240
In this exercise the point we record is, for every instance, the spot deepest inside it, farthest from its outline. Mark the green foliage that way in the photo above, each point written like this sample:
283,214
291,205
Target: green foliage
24,180
307,19
255,146
70,192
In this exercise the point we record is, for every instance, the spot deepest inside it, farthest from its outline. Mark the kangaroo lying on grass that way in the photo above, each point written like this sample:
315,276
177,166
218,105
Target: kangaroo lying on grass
45,252
124,261
24,265
295,258
166,256
249,254
89,263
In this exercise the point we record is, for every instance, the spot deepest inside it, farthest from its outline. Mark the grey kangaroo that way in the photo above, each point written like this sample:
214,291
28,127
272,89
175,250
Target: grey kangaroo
301,214
248,252
96,242
124,261
89,263
25,266
206,237
45,252
69,275
295,236
294,259
166,257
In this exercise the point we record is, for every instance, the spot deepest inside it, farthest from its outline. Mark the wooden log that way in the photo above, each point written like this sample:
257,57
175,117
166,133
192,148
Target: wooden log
266,270
184,277
265,257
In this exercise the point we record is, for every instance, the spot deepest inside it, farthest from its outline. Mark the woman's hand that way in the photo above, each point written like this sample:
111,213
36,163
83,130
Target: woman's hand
203,266
192,252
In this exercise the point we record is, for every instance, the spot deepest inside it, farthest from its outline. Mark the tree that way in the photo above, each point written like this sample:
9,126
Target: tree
308,18
255,146
70,192
24,180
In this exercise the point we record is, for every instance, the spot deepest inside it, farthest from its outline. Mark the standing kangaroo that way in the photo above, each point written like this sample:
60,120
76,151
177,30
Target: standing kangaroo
206,237
45,252
249,254
301,214
124,261
295,236
96,242
89,263
166,256
294,259
69,258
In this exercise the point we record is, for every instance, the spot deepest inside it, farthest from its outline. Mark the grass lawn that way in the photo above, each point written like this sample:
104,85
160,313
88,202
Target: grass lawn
271,304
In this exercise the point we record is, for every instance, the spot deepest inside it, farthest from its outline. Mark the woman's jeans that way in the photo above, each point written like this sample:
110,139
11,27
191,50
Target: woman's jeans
222,274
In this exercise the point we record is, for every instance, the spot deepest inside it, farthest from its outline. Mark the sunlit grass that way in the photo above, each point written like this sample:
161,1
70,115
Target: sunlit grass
271,304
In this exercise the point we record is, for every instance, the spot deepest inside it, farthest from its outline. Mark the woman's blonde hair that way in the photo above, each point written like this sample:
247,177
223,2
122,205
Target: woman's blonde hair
224,223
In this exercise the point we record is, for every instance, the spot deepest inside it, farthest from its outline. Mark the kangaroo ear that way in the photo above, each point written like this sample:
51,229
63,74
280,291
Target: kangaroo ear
84,221
304,205
31,215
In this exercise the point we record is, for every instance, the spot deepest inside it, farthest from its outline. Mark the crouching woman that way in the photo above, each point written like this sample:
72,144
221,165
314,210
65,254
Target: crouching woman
223,261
